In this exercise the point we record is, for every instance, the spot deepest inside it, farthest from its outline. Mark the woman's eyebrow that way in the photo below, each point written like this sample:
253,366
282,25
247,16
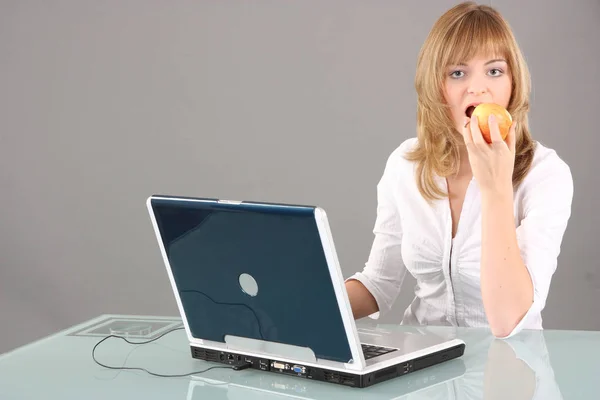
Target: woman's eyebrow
495,60
462,64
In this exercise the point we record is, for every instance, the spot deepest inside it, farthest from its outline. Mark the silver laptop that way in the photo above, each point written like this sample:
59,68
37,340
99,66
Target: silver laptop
259,284
430,383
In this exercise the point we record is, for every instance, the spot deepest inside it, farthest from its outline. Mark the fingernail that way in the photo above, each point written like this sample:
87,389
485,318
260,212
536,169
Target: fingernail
492,118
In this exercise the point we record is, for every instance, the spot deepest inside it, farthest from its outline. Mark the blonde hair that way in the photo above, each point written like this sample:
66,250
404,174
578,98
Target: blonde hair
463,32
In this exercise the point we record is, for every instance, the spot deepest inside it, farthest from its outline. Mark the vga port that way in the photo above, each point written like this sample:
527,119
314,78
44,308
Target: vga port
299,369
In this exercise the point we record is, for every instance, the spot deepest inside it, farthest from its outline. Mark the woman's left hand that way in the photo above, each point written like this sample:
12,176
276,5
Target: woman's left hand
493,163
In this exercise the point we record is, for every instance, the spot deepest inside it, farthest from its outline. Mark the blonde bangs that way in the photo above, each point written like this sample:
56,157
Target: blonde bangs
476,33
465,31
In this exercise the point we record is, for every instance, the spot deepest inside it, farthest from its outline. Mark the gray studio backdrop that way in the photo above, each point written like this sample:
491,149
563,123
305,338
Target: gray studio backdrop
104,103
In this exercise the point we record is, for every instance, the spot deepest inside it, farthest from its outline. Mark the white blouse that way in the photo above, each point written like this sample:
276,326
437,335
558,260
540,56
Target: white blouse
413,236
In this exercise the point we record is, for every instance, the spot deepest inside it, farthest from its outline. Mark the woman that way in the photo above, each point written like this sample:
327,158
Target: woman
478,225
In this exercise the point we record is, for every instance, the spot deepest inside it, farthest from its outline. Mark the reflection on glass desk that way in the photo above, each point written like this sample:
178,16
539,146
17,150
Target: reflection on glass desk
532,365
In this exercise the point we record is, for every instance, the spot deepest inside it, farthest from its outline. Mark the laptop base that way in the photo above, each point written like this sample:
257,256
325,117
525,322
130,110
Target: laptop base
324,374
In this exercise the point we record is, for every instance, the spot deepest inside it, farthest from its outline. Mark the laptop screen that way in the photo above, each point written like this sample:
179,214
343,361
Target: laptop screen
255,271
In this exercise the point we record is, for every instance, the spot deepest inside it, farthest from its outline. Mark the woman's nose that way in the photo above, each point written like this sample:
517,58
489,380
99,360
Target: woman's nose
476,87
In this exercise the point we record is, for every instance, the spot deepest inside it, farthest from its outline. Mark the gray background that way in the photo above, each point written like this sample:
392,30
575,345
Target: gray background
105,103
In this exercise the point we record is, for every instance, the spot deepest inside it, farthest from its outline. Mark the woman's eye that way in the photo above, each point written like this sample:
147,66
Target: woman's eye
457,74
496,72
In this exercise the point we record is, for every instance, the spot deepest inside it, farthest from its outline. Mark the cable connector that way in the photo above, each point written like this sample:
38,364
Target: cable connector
240,367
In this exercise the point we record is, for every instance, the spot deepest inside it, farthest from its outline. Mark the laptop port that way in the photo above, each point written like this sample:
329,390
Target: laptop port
279,365
332,377
263,365
406,368
299,369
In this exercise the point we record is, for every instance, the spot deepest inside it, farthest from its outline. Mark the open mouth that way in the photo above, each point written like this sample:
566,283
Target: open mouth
469,111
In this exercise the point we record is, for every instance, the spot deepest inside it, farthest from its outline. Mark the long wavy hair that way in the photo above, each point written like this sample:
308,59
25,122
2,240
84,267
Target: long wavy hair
463,32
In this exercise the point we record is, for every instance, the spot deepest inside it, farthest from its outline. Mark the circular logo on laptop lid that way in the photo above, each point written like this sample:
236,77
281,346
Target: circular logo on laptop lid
248,284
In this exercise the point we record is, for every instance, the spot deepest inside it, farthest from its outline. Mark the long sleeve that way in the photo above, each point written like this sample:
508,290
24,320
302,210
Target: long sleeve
384,270
546,209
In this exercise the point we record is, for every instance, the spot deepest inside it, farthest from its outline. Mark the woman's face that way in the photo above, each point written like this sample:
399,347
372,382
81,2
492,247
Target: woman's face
479,80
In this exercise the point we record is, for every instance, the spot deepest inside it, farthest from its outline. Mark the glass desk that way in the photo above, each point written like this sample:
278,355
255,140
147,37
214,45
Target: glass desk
532,365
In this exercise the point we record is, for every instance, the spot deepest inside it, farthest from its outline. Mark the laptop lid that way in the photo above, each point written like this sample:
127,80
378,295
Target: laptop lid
252,270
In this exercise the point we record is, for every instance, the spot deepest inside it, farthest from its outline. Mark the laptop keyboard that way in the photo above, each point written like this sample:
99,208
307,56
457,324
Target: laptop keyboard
371,351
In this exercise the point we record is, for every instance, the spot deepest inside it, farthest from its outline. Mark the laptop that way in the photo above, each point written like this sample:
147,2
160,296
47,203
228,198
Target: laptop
259,284
430,383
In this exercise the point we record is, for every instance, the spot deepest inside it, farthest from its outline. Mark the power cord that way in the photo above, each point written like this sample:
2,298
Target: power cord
237,367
